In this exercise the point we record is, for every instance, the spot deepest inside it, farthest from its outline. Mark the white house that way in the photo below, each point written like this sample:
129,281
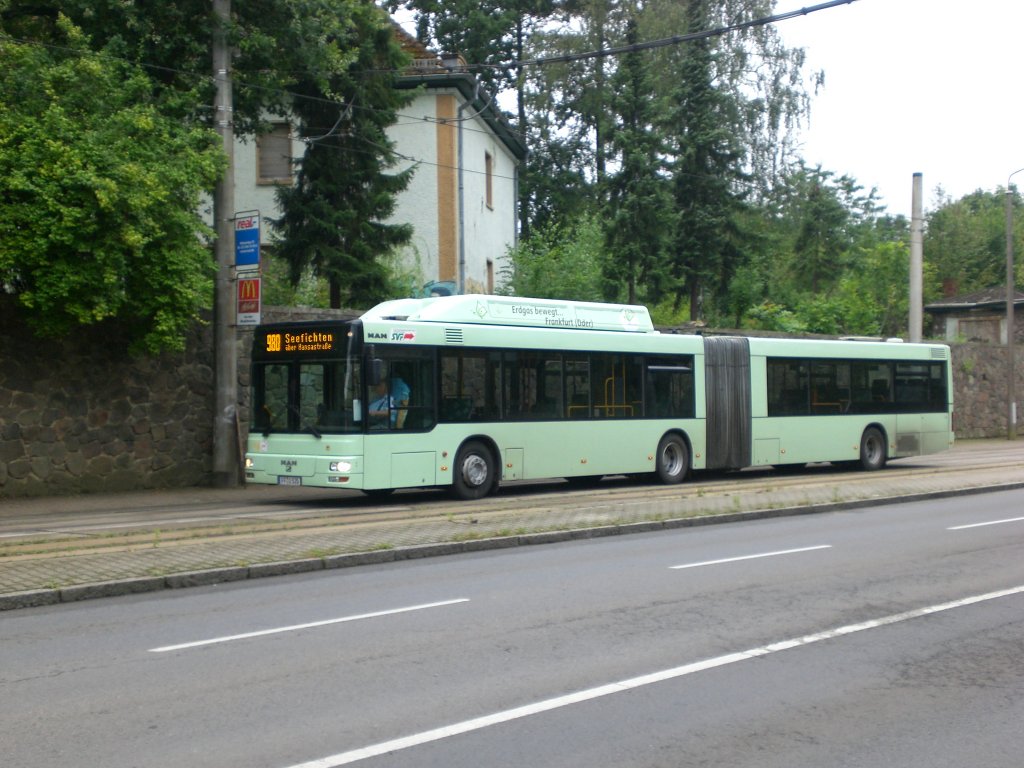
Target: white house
462,198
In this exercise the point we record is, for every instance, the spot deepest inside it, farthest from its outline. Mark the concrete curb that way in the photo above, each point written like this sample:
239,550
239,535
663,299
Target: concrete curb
208,577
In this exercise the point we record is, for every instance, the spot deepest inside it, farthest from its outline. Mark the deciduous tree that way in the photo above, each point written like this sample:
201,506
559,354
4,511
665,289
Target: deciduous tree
99,194
965,240
558,261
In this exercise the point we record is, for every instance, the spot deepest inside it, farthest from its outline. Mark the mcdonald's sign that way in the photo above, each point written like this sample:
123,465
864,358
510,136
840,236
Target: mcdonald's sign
248,301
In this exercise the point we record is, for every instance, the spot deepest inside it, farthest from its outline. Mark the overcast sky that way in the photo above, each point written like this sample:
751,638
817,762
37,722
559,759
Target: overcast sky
929,86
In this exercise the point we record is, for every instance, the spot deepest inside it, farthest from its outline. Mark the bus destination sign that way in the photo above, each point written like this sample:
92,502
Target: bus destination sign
282,342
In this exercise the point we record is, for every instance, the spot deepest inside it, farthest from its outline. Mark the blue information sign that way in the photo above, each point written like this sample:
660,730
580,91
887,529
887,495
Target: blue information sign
247,239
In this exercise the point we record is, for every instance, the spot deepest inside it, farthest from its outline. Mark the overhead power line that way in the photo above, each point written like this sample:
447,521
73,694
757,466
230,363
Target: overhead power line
677,39
541,61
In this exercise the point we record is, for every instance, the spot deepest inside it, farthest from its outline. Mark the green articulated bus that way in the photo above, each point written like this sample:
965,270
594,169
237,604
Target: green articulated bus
467,391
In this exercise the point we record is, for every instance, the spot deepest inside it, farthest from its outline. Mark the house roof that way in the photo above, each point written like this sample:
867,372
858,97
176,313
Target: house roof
417,50
433,71
990,298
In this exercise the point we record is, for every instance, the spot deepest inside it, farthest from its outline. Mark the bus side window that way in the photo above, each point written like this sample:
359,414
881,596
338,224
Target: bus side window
789,387
469,384
577,386
546,408
669,388
402,385
880,391
937,389
456,408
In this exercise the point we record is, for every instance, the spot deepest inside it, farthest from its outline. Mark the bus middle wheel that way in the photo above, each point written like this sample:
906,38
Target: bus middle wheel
672,461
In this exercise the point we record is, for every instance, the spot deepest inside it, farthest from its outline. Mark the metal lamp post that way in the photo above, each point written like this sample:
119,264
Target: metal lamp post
1011,294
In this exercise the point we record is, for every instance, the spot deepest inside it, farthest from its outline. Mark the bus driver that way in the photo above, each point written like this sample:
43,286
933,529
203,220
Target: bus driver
384,404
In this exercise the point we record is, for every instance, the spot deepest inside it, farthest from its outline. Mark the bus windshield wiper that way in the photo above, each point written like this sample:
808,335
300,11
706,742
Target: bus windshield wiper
308,427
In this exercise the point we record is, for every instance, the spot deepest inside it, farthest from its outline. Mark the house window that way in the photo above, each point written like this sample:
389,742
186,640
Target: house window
489,170
274,155
490,276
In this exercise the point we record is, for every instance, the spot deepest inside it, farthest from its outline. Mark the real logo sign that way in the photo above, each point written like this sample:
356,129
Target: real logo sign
247,241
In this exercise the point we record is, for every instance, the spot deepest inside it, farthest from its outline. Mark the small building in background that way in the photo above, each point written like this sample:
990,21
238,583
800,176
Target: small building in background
976,317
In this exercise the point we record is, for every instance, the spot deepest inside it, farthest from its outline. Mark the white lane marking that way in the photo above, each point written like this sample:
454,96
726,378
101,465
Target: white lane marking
750,557
418,739
310,625
990,522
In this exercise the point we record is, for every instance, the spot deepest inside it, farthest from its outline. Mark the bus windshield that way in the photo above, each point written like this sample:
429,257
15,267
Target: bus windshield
306,378
313,396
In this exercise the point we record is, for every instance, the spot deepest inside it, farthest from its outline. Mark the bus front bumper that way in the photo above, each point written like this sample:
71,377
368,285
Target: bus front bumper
317,472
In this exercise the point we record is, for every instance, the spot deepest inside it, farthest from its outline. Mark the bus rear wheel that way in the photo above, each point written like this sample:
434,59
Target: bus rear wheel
872,449
475,471
672,460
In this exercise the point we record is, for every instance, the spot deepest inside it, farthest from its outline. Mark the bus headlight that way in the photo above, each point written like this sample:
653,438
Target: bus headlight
341,466
249,463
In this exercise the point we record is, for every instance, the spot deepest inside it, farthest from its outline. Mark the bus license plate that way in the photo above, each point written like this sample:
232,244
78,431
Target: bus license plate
289,480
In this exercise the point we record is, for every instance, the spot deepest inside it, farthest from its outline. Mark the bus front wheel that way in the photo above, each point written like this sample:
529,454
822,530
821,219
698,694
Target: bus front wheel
872,449
673,460
474,472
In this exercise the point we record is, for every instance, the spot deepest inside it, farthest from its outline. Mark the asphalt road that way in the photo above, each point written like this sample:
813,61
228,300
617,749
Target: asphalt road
883,636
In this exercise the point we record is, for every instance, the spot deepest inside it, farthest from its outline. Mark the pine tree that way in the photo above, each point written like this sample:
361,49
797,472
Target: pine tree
707,173
638,213
333,219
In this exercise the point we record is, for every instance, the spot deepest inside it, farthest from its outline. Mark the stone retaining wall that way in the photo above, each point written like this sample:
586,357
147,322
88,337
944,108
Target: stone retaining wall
980,382
79,415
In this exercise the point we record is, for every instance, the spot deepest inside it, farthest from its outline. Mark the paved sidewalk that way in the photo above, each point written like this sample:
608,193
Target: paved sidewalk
52,565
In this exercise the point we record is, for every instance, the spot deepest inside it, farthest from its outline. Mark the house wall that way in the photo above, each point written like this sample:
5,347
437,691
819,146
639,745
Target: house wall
416,135
249,194
989,327
490,229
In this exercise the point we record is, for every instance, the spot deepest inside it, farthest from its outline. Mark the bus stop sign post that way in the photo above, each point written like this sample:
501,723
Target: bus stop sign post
247,267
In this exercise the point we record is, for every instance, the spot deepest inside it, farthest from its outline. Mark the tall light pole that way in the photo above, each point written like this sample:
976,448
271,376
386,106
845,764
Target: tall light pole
1011,295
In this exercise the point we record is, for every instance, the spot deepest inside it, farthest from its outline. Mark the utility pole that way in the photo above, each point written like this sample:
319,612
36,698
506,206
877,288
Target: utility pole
916,261
1011,295
226,471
